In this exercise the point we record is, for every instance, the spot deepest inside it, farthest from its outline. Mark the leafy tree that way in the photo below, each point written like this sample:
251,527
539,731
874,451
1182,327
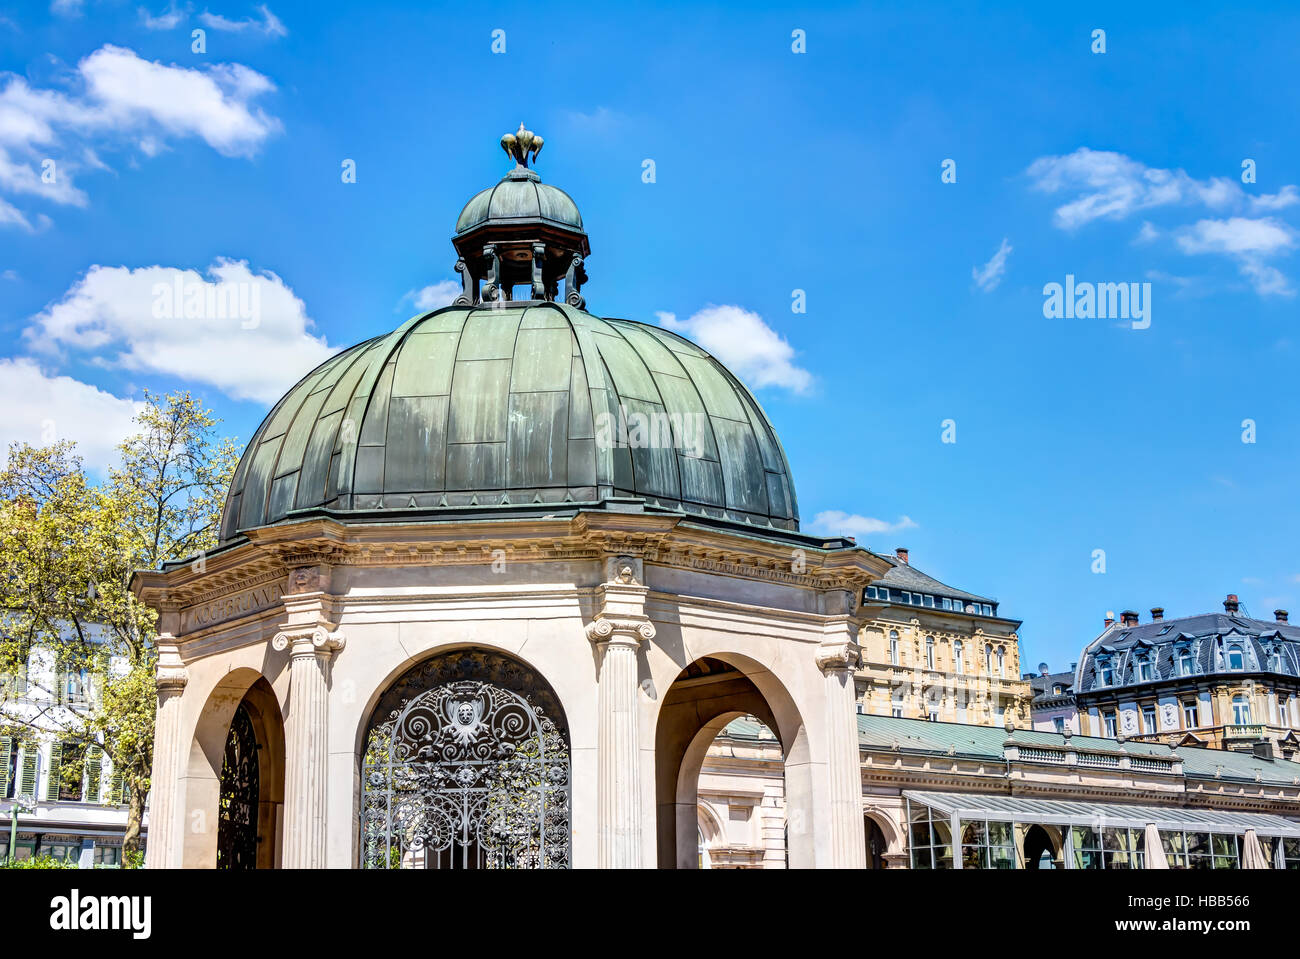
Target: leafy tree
68,548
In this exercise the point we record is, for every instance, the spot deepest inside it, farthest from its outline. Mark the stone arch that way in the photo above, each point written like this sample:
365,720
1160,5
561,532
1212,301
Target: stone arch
445,714
888,833
707,694
200,785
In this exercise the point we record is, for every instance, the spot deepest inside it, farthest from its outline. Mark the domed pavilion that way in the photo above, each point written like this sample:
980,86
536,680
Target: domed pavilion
488,586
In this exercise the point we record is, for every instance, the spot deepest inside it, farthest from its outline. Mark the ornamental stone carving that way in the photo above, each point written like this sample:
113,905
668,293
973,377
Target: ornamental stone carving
842,654
318,639
602,629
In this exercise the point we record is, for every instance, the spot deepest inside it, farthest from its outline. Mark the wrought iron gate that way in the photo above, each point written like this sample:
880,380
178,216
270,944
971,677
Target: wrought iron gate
472,772
240,792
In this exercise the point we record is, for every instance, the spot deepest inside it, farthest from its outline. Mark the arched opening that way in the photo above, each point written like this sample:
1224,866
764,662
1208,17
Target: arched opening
234,779
877,844
741,794
708,695
465,765
1040,851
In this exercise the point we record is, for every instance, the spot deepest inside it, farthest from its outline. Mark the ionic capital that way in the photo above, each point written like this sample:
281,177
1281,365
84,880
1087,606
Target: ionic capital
312,641
612,630
170,673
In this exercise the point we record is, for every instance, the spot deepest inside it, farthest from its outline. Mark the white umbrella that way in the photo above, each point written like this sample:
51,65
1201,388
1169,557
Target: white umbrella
1155,852
1252,853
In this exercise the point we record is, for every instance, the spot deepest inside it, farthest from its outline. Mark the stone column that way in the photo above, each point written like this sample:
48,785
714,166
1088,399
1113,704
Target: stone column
618,630
306,744
162,848
837,659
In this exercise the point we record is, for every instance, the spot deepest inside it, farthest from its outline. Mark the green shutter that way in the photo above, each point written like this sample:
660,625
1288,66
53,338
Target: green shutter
6,750
52,781
115,789
27,772
93,765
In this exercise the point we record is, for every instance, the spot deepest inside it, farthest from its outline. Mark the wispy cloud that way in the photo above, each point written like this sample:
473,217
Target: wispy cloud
434,296
166,20
837,523
743,342
1249,242
269,25
989,276
1112,186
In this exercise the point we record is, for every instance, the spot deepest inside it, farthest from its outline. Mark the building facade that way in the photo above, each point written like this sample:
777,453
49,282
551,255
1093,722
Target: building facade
931,651
70,803
1218,679
1053,708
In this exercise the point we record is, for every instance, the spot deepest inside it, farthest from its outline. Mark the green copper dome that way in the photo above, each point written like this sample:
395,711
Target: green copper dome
501,409
520,198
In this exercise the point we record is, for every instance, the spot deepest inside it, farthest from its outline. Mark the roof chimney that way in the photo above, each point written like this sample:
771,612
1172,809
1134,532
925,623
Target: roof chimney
1109,621
1157,613
901,553
1128,618
1280,615
1230,604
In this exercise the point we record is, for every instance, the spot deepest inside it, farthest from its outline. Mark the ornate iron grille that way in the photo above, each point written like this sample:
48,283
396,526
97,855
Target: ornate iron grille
472,772
240,792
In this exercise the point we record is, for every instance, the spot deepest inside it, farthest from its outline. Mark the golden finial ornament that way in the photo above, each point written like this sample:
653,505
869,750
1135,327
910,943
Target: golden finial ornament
521,144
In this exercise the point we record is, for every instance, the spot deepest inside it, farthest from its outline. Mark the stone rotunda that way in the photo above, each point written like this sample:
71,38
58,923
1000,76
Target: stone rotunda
489,585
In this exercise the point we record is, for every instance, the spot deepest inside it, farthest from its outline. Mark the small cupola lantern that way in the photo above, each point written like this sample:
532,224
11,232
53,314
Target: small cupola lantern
521,232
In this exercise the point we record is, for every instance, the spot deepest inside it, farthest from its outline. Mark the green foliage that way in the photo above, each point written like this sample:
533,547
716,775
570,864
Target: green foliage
68,548
37,862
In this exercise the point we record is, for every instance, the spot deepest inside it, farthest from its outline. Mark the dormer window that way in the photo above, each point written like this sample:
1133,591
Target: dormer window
1185,662
1105,672
1236,658
1145,669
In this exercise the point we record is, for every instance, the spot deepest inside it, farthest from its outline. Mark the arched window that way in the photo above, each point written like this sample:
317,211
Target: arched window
1185,662
893,646
929,652
1145,668
958,664
1105,672
1283,710
1236,660
1240,710
1002,661
988,660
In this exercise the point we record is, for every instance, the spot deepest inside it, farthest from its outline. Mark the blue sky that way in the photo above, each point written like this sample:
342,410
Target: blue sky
775,171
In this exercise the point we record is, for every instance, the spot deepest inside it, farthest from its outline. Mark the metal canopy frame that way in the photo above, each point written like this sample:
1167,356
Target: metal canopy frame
1060,812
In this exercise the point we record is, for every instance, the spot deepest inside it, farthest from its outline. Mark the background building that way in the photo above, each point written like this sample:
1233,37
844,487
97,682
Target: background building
932,651
71,803
1218,679
1053,708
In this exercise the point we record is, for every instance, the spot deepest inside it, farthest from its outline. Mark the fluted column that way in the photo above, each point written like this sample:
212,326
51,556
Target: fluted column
306,744
837,660
618,630
162,850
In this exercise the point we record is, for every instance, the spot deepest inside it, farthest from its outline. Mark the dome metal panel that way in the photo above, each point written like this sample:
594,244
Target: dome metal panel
484,408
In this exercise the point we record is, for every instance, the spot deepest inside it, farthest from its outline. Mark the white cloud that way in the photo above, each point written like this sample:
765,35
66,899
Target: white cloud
42,409
434,296
244,333
836,523
166,20
1108,185
270,25
990,275
10,215
1248,242
116,98
743,343
67,8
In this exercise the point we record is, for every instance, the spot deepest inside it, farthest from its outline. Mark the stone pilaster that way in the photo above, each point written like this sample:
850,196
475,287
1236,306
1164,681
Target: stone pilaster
619,628
837,658
306,743
163,845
